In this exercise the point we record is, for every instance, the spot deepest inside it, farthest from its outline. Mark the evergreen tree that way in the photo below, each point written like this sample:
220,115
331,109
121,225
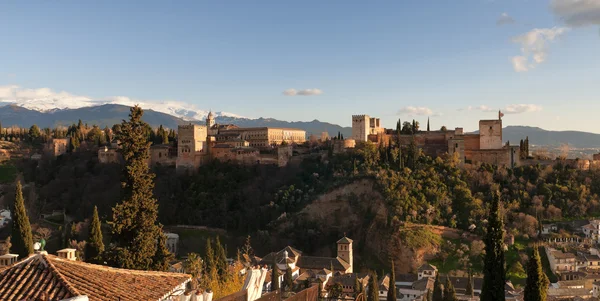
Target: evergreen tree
493,271
134,225
428,124
210,258
287,279
34,132
358,287
438,294
275,276
373,288
95,246
22,239
161,261
221,257
391,296
449,292
536,285
469,288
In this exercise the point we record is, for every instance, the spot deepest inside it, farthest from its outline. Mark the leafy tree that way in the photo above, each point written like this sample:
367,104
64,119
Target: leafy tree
536,285
134,224
193,266
287,279
275,276
438,294
449,293
335,291
391,296
95,246
373,288
34,132
247,248
443,128
22,238
493,270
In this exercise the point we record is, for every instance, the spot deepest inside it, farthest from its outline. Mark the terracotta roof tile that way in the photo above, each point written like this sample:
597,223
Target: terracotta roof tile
61,278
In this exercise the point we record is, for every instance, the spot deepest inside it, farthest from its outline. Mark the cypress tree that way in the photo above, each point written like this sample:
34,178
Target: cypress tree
493,270
287,279
161,261
94,246
209,254
220,257
438,294
275,277
22,239
536,285
469,288
391,296
449,293
358,288
373,290
134,225
428,124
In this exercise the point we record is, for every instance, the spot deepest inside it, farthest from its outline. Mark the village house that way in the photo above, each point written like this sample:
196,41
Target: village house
61,277
592,230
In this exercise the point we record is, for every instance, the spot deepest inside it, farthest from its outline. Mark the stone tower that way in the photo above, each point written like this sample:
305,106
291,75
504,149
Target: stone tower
210,120
344,251
360,127
191,145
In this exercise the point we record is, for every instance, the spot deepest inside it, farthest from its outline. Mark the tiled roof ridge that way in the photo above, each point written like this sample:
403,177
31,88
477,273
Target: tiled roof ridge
59,275
116,270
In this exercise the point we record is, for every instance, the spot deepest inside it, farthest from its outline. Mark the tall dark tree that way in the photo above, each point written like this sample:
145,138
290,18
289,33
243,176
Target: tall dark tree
428,124
161,261
449,292
94,246
275,276
358,287
210,258
34,132
536,285
221,257
373,288
438,293
493,270
391,296
21,238
287,279
134,225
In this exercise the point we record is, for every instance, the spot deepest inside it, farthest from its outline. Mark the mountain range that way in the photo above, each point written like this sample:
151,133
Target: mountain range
109,114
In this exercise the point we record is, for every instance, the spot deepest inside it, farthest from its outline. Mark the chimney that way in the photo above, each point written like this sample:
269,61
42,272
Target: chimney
68,254
8,259
285,256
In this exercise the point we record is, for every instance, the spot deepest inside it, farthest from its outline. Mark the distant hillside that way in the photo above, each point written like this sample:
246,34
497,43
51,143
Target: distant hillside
109,114
538,136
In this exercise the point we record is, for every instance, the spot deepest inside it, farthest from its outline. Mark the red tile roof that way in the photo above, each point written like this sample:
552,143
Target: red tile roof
61,278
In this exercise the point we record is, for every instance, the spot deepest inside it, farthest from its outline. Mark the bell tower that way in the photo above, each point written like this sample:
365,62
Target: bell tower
210,120
344,251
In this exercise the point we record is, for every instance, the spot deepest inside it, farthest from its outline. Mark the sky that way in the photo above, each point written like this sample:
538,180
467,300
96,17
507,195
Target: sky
454,62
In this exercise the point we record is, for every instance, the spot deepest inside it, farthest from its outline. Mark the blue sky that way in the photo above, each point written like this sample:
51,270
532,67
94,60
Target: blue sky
454,61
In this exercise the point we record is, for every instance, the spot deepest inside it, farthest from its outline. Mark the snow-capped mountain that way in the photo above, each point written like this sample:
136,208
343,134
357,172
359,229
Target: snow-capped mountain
45,100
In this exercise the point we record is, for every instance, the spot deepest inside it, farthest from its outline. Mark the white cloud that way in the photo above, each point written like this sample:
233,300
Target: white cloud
45,99
305,92
509,109
577,13
520,63
534,47
505,19
521,108
410,110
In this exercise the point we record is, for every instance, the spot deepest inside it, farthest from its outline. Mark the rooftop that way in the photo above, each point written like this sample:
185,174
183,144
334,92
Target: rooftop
61,278
313,262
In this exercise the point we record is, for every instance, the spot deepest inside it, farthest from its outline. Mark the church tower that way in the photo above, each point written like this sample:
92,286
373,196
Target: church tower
344,251
210,120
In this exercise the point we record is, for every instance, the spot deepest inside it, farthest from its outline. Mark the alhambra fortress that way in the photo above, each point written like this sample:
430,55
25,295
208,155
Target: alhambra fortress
199,144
